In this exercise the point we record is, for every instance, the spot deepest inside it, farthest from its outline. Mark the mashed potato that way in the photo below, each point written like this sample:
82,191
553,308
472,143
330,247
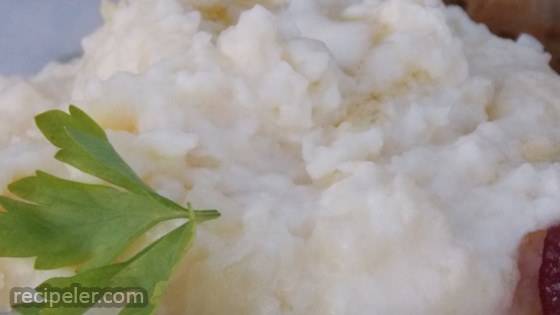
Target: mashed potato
368,157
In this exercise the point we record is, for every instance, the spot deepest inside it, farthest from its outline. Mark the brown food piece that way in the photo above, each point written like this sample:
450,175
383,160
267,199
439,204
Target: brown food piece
509,18
526,300
538,289
549,273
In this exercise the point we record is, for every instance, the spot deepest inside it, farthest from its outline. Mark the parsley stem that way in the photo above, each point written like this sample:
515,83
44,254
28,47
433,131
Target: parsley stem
205,215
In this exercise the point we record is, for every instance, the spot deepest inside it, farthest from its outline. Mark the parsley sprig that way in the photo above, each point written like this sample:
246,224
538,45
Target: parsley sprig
67,223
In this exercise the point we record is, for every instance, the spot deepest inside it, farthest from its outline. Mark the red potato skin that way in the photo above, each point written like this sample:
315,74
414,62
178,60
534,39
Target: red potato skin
538,289
549,273
526,299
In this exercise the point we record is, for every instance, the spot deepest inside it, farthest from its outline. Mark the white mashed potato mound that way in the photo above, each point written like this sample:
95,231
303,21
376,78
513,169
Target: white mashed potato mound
368,157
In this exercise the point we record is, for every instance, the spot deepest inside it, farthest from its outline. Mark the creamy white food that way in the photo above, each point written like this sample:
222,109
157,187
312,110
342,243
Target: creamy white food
368,157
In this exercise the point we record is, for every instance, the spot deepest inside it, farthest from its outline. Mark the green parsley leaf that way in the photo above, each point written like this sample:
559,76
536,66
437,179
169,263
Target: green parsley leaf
84,145
68,223
149,270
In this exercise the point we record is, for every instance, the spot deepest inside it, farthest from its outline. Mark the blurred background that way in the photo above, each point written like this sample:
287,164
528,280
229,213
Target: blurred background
34,32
